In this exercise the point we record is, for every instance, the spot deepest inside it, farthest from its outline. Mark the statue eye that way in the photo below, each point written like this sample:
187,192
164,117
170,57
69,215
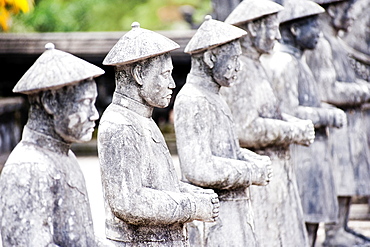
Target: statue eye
86,102
166,74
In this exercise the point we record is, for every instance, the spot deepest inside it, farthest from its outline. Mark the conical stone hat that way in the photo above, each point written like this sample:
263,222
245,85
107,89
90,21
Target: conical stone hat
138,44
212,33
249,10
295,9
55,69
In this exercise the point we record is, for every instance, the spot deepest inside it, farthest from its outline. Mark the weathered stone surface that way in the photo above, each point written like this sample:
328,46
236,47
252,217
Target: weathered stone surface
298,95
262,127
41,183
42,76
134,46
209,152
295,9
216,37
332,70
146,204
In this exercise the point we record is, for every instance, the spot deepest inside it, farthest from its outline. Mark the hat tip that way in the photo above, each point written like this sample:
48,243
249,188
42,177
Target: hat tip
49,46
135,25
208,17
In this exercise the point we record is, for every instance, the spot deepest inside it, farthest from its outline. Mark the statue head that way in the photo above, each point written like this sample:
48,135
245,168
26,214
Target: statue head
143,66
299,24
223,63
259,19
215,48
154,80
71,110
62,94
341,14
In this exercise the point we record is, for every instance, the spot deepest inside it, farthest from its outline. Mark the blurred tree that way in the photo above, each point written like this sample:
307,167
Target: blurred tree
106,15
9,7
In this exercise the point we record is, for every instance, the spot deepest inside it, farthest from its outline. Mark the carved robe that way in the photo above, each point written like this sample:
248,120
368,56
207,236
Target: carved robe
277,207
43,197
334,75
297,94
210,157
145,202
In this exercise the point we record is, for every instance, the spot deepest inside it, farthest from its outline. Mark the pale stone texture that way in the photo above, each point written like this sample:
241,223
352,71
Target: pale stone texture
333,72
145,203
43,197
38,208
261,127
208,148
298,95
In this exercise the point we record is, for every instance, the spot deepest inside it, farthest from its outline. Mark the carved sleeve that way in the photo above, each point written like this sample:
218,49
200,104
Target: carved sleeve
194,137
121,158
332,91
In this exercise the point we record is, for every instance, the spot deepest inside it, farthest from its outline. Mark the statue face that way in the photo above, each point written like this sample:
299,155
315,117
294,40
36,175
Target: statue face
75,117
226,64
342,15
307,33
157,81
267,34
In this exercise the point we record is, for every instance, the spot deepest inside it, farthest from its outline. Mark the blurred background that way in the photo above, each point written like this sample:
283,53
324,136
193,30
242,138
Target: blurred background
99,15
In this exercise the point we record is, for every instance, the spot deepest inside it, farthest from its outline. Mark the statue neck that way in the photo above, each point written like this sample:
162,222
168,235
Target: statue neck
201,70
42,122
128,87
248,48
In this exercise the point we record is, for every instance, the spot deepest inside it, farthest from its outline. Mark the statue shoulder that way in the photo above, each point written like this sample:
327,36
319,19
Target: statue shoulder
278,62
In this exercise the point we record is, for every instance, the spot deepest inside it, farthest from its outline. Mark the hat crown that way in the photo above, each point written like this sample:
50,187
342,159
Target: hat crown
249,10
295,9
55,69
138,44
212,33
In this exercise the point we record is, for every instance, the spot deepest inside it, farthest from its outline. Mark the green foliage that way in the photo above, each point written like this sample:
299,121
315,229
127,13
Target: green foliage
106,15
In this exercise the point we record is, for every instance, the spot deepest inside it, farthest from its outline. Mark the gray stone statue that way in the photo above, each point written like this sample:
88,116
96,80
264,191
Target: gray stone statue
298,95
335,77
43,197
208,148
262,127
146,204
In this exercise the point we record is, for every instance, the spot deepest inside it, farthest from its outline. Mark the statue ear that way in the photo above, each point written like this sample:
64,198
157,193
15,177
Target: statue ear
252,29
331,11
136,73
48,100
294,30
209,58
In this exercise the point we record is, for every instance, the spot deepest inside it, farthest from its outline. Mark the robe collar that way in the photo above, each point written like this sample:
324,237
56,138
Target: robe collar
132,105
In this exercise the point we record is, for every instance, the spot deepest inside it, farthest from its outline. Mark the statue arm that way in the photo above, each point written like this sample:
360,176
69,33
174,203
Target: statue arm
121,159
334,92
322,116
269,132
198,164
27,205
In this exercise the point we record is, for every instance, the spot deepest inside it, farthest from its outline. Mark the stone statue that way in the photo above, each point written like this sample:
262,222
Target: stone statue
145,203
263,128
209,152
358,40
43,197
332,70
298,94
